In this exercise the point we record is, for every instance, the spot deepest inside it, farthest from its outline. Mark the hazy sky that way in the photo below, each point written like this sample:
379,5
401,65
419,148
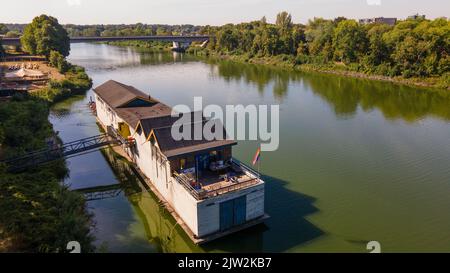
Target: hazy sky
213,12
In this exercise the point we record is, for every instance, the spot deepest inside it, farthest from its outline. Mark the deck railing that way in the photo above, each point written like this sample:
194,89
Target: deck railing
204,194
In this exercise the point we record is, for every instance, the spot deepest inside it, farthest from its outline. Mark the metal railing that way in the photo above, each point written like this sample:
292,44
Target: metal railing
204,194
57,152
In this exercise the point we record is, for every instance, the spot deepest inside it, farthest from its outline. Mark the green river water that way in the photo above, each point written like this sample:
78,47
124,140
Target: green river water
358,160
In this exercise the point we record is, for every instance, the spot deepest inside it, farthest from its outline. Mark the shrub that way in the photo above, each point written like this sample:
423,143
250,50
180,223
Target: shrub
57,60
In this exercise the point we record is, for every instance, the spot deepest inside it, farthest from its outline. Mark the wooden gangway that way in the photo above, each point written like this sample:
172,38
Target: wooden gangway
57,151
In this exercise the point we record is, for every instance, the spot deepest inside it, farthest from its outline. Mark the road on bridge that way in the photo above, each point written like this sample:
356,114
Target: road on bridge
170,38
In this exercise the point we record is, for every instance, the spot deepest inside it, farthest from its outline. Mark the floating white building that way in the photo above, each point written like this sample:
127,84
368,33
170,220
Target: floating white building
208,192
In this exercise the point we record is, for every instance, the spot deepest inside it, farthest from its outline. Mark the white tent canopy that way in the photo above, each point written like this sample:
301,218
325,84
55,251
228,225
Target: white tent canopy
23,72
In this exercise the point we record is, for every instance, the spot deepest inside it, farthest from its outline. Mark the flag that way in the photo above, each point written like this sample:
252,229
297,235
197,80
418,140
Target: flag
256,157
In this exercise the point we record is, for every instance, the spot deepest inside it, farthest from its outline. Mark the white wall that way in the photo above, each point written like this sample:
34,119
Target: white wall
106,116
159,174
209,210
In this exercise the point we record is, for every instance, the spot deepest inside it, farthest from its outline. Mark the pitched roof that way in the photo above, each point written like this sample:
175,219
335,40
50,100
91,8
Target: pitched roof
171,147
116,94
148,124
132,115
155,118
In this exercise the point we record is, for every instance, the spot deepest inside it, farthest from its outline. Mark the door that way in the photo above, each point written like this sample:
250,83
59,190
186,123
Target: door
240,208
233,212
226,215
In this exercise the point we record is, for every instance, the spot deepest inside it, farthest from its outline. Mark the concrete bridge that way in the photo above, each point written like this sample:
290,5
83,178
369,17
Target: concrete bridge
178,41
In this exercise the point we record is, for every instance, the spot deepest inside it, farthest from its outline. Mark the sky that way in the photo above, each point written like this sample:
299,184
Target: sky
211,12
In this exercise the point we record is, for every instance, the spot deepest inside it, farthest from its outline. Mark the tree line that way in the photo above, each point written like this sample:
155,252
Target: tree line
139,29
410,48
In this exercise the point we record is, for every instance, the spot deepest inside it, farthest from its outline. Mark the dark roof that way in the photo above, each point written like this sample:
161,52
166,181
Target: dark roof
133,115
117,94
155,117
171,147
151,123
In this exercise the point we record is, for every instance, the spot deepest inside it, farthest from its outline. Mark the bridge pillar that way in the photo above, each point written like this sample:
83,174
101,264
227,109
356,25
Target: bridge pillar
180,46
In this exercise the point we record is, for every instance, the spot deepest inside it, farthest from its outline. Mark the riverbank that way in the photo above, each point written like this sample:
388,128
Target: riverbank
75,82
37,212
147,45
291,63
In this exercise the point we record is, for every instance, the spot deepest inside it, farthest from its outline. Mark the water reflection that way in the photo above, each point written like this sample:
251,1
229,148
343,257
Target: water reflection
345,95
105,57
260,76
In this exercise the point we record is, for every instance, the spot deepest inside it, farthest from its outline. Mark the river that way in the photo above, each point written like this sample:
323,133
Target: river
358,160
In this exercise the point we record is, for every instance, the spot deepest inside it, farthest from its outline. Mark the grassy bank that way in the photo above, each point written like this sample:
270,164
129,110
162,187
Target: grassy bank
147,45
353,70
75,82
37,212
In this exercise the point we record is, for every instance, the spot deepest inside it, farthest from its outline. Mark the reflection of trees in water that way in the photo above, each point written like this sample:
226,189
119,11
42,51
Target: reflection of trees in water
155,58
345,95
64,109
258,75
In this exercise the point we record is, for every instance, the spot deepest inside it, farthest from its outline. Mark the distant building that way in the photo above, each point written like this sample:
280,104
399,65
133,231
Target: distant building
382,20
416,16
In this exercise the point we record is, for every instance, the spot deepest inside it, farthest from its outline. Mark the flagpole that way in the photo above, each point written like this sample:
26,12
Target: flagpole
259,166
259,174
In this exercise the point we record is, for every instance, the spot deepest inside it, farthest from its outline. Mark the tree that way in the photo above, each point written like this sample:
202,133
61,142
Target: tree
43,35
227,38
57,60
3,29
284,21
263,20
349,41
319,36
12,34
379,51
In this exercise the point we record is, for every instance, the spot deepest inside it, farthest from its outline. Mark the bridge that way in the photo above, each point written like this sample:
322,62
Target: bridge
68,149
58,152
178,41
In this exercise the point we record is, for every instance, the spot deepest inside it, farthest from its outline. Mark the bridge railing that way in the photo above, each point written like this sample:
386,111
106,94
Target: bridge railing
58,151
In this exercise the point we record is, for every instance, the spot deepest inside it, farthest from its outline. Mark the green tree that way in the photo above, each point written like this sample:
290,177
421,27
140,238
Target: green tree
57,60
379,51
284,21
319,36
3,29
43,35
227,38
12,34
349,41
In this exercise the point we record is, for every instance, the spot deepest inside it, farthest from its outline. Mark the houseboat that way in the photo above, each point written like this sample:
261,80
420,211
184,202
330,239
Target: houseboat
207,191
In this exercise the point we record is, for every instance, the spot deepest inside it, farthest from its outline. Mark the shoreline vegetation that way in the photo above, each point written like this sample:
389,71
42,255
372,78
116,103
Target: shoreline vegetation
38,213
339,69
414,52
149,46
